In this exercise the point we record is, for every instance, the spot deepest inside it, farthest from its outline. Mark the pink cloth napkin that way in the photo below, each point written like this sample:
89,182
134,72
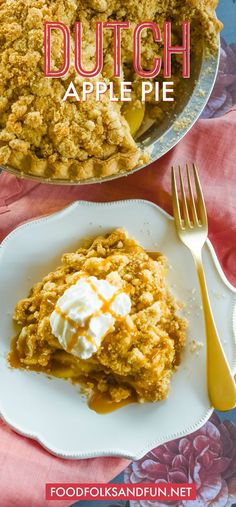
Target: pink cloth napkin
24,466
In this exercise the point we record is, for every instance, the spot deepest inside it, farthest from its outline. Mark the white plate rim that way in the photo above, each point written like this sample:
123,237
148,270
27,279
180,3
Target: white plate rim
156,442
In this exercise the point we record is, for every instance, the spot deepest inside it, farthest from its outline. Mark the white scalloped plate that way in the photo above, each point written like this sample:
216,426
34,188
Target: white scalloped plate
52,411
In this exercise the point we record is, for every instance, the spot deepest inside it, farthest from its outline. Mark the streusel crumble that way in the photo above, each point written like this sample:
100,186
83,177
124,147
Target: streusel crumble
104,319
43,136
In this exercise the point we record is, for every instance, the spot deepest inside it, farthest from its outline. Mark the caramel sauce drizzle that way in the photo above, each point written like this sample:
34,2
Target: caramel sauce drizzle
102,404
83,330
78,329
106,307
99,402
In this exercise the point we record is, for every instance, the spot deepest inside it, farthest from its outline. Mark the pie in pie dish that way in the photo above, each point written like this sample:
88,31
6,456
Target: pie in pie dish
43,136
104,319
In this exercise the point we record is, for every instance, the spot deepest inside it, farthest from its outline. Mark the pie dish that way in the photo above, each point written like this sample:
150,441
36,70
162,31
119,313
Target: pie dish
44,137
134,357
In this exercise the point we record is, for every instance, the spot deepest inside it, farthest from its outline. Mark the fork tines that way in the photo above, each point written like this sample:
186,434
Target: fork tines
189,209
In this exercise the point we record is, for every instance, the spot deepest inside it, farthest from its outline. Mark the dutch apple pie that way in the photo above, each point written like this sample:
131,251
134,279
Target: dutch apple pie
104,319
44,136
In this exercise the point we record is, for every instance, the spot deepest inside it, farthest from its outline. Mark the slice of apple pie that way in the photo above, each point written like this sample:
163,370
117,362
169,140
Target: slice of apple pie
104,319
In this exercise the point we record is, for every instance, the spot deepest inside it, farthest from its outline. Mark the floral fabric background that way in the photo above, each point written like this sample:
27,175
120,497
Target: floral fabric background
208,456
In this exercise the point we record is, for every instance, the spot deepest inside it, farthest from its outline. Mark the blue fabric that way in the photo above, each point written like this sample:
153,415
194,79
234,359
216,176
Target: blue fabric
227,14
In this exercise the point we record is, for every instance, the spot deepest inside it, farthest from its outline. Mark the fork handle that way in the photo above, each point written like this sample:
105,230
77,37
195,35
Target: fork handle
221,385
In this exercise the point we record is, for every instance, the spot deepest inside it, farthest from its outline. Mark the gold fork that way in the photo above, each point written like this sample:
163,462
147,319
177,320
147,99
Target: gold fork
192,228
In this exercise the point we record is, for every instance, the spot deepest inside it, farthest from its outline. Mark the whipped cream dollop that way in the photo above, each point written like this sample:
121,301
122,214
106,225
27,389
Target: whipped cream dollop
85,313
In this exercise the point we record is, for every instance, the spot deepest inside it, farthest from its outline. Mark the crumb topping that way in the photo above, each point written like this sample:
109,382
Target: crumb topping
140,355
42,135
